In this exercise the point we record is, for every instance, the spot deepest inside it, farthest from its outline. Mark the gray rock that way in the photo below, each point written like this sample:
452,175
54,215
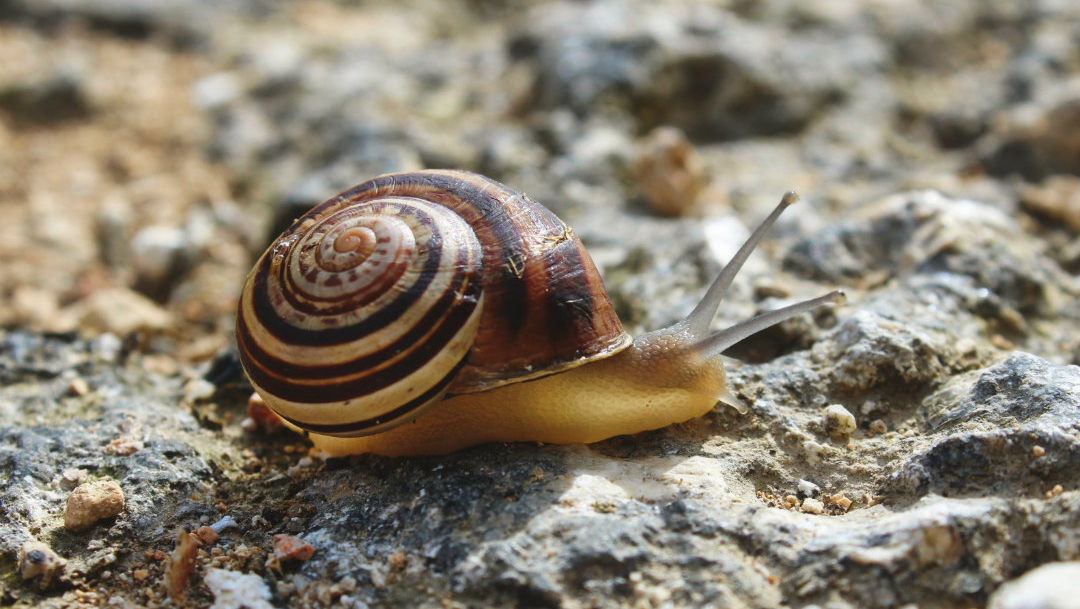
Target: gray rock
1009,426
695,67
54,431
185,21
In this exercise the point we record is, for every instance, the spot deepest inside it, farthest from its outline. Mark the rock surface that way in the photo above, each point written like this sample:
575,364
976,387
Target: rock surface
918,447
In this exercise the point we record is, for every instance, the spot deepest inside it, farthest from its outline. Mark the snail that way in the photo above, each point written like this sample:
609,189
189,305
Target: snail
421,313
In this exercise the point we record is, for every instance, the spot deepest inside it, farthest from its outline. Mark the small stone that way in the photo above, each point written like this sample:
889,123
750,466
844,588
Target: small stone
160,363
160,255
120,311
840,500
1038,451
38,308
206,535
289,547
232,589
72,477
1051,586
36,558
398,559
670,172
140,575
123,446
260,416
225,523
91,502
198,389
812,506
108,347
877,426
181,565
814,451
1002,343
216,90
807,488
78,387
839,422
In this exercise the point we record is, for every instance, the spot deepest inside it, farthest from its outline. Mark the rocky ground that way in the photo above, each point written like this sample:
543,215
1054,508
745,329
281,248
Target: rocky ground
919,447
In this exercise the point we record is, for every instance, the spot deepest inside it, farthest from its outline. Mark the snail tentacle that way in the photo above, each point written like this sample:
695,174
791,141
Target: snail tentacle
697,322
716,344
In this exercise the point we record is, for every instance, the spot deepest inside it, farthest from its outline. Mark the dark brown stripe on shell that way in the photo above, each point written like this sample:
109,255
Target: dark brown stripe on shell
432,247
536,317
572,305
286,332
357,428
285,379
485,205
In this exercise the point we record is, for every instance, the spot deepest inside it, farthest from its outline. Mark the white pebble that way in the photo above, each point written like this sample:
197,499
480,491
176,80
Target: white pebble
159,251
108,347
234,590
812,506
839,422
198,389
223,524
1052,586
36,558
808,488
814,451
216,90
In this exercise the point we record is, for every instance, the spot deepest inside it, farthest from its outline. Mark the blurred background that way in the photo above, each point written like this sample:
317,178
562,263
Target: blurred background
149,149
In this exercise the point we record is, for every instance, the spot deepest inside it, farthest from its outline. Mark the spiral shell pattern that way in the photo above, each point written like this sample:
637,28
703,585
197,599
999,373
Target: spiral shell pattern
380,300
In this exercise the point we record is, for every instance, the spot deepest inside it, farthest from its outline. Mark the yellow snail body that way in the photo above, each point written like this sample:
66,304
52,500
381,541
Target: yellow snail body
425,312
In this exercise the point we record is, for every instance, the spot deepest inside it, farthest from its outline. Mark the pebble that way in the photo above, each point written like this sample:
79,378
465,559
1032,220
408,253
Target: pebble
198,389
108,347
808,488
78,386
181,565
812,506
225,523
289,547
670,172
206,535
1057,197
36,558
1051,586
234,590
814,451
124,446
216,90
120,311
841,500
839,422
91,502
72,477
159,254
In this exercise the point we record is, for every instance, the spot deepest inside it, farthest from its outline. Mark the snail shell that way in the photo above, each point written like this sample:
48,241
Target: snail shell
381,300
